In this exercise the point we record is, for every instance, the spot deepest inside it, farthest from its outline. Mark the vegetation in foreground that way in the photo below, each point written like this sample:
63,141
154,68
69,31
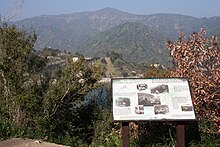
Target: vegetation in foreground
71,107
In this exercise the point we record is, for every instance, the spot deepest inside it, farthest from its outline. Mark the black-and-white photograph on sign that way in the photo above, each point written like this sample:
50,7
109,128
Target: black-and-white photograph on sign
148,99
161,109
152,99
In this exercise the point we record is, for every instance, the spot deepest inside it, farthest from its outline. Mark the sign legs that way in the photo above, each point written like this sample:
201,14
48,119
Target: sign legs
125,134
180,131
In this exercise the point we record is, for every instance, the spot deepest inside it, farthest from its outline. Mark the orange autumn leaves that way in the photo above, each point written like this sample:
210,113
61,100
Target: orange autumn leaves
198,58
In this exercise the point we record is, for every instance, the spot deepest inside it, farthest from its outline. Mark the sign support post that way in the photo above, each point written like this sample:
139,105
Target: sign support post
180,131
125,134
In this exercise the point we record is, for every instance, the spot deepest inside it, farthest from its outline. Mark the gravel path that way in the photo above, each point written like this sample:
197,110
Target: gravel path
19,142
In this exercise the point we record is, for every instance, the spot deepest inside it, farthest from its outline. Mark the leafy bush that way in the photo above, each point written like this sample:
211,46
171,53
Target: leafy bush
198,58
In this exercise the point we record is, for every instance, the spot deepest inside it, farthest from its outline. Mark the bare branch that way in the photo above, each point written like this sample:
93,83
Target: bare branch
16,8
55,108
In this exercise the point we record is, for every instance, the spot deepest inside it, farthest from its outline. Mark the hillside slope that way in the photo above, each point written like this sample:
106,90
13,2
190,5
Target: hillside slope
135,41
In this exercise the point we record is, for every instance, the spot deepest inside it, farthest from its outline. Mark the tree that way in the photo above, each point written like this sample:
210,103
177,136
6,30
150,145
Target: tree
15,48
35,101
198,58
64,99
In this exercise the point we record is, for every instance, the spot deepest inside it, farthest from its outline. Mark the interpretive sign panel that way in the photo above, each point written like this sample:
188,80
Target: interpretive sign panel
151,99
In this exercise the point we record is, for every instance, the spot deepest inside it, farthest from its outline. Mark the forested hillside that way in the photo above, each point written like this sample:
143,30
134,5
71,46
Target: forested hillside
133,40
82,32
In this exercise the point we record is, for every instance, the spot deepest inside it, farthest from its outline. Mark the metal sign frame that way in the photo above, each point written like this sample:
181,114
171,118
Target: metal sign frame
158,99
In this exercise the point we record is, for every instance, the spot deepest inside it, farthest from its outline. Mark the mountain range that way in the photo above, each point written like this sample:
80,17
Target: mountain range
138,38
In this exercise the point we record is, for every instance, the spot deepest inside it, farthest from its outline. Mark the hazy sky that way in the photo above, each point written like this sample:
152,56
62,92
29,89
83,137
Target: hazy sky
30,8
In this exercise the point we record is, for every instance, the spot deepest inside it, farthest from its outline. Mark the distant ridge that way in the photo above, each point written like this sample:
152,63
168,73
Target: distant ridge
77,31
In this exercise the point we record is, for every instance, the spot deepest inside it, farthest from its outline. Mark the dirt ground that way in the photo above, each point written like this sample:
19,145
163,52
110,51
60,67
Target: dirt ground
20,142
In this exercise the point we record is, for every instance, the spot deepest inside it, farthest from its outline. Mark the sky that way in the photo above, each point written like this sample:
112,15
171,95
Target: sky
20,9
